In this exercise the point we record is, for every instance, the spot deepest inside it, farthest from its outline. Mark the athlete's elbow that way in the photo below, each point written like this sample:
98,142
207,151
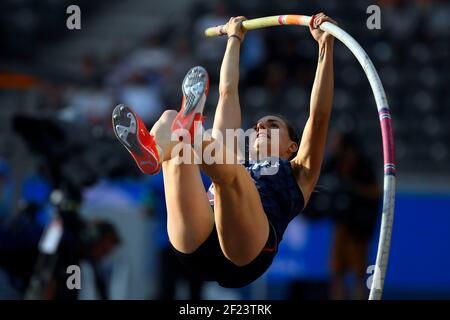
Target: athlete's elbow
227,90
319,119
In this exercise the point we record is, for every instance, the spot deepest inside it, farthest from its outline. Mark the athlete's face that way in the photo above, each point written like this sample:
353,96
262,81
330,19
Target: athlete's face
267,129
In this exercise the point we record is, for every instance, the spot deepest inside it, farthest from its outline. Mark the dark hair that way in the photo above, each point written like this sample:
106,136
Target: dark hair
291,131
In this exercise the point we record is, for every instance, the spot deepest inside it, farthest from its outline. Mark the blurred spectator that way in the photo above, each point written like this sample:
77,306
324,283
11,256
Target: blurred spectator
19,235
140,78
144,98
104,268
153,55
354,208
88,104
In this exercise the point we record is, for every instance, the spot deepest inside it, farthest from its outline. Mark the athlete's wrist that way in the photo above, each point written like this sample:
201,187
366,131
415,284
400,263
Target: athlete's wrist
235,37
328,41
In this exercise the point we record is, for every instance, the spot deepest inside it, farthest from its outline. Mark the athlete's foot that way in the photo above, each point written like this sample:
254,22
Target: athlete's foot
132,133
195,89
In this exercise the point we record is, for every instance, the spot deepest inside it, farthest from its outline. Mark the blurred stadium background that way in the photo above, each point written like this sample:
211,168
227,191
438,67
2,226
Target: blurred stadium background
59,86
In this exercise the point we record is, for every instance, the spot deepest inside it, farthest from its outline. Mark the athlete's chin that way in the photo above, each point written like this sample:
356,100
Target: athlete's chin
262,145
262,141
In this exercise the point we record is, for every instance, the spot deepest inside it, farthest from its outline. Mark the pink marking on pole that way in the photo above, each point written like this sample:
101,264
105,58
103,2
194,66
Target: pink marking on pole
388,140
280,20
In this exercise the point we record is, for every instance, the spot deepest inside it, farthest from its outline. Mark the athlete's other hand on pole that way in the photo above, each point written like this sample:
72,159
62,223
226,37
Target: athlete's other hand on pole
234,27
319,35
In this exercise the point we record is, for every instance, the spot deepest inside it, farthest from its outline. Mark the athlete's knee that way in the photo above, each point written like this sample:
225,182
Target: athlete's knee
224,177
168,115
239,255
165,120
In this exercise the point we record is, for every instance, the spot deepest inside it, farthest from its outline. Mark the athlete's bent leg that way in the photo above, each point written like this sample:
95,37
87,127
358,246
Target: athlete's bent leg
190,218
241,222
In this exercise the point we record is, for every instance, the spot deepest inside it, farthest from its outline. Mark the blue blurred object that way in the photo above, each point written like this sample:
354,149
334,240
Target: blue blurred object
5,169
36,190
419,261
304,252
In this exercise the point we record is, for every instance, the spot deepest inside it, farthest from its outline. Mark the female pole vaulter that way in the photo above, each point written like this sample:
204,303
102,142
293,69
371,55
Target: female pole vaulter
234,240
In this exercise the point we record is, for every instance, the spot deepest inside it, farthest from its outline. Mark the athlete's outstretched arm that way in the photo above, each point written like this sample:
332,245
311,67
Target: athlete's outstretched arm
309,158
228,112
